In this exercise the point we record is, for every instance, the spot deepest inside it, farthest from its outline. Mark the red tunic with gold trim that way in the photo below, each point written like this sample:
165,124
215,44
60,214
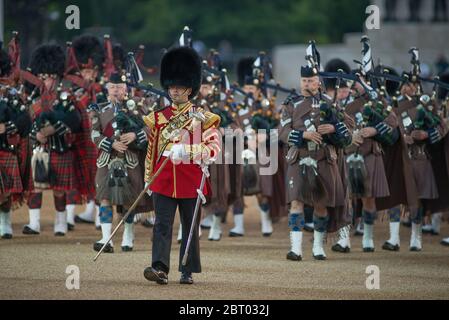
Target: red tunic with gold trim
183,179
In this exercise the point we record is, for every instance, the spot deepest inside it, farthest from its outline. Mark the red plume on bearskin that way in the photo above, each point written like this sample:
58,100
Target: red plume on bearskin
14,53
108,66
139,60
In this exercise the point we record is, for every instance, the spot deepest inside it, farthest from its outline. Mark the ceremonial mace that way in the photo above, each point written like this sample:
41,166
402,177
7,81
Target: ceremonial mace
133,206
200,197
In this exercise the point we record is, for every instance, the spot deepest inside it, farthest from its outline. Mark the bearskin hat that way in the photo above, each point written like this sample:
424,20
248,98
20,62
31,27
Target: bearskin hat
119,56
442,92
181,66
48,59
245,71
5,63
88,50
333,66
390,86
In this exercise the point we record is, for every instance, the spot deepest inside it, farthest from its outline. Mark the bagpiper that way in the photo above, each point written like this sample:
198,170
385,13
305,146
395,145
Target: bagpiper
186,134
15,124
83,71
56,123
314,131
119,134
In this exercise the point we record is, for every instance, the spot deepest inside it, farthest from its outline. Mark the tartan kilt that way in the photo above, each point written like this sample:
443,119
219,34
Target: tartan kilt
10,178
62,172
86,158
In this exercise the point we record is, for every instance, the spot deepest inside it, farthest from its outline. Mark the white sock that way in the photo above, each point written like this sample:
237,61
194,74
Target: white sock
61,222
106,229
436,222
368,241
318,238
89,213
97,216
7,226
70,208
238,224
35,217
415,239
296,242
265,218
128,235
344,237
2,224
394,233
215,229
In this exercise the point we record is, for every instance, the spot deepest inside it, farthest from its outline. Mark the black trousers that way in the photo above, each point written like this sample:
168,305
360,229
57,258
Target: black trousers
165,209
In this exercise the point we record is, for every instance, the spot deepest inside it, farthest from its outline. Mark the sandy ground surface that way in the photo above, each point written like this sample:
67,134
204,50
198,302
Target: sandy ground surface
252,267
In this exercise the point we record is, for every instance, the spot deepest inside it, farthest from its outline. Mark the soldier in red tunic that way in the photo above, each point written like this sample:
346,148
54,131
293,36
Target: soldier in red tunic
176,132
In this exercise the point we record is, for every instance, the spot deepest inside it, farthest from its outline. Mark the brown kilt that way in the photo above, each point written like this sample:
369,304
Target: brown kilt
136,182
424,179
329,174
220,184
10,178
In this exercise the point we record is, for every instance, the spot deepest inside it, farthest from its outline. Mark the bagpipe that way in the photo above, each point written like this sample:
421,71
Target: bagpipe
14,114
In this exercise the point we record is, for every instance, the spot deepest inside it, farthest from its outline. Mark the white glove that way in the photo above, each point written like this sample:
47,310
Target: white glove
149,192
178,152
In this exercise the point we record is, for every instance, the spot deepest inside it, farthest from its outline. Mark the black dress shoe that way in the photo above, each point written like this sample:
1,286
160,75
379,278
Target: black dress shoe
107,249
444,243
70,227
358,233
308,228
29,231
407,224
147,224
186,278
7,236
338,248
368,249
415,249
235,234
158,276
266,235
388,246
293,256
59,234
433,233
78,219
319,257
127,249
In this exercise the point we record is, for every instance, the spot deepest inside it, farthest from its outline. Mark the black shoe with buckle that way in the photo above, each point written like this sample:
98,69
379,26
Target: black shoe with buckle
107,249
390,247
339,248
293,256
186,278
158,276
78,219
27,230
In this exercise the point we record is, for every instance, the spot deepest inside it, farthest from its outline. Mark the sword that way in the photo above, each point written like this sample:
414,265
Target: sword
200,197
133,206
